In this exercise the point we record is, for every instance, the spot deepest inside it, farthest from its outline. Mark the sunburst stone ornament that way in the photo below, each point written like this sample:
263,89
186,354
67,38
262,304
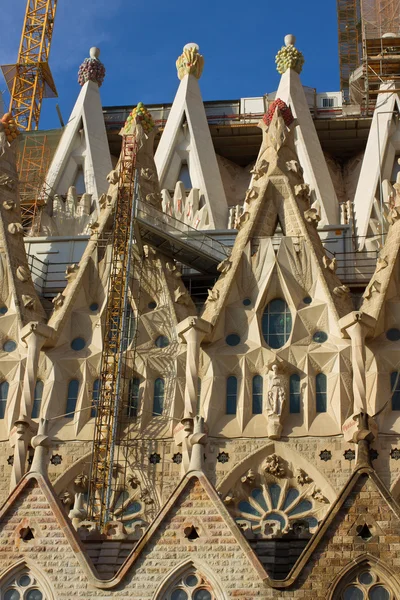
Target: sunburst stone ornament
190,62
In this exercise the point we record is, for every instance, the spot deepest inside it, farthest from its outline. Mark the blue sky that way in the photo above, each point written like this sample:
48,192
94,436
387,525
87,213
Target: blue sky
140,42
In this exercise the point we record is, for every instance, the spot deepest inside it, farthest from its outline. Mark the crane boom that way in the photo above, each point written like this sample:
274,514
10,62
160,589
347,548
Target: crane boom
30,79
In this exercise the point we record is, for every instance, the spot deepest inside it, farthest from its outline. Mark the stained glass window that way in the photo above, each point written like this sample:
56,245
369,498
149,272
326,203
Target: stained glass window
95,397
257,395
37,399
158,398
276,323
72,397
320,393
395,385
231,395
294,393
133,397
3,398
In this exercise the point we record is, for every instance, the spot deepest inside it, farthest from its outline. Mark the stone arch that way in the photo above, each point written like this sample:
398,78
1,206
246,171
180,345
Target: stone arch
186,567
289,456
366,561
26,566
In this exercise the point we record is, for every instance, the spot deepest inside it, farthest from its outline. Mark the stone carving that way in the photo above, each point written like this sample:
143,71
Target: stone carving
133,481
58,301
7,182
146,496
248,477
302,477
181,296
229,498
251,194
81,481
275,404
71,271
260,169
330,263
9,204
273,465
154,198
302,191
373,288
213,295
113,177
190,62
318,496
15,228
224,266
23,273
294,165
67,499
381,264
341,290
311,216
28,301
394,215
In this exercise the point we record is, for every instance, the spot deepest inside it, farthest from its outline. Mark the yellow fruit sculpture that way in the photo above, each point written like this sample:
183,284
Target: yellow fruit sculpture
142,115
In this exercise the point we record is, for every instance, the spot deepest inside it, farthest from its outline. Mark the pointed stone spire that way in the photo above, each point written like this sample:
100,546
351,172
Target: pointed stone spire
83,150
289,62
186,144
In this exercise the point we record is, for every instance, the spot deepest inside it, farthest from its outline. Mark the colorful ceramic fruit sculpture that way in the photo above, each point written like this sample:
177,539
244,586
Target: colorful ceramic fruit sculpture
289,57
284,110
10,127
141,114
92,69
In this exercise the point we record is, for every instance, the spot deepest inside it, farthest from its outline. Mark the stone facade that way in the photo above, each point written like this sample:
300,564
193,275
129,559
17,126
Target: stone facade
257,453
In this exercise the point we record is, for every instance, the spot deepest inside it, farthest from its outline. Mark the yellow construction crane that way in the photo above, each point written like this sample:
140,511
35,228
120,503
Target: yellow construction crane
30,79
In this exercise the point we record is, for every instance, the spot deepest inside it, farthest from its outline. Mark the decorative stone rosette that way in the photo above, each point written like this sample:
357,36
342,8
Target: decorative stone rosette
190,62
289,57
92,69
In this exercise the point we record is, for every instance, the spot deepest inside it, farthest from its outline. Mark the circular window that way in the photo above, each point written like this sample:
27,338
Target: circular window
3,310
162,341
276,323
11,595
232,339
307,300
353,593
202,594
93,307
152,305
320,337
78,344
24,580
393,335
378,592
9,346
191,580
34,595
179,594
366,578
247,301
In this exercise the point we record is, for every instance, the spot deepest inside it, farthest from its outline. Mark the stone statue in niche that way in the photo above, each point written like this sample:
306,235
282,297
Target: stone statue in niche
275,403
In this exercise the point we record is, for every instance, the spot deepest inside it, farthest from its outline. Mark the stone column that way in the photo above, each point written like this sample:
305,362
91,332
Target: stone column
34,335
192,330
357,325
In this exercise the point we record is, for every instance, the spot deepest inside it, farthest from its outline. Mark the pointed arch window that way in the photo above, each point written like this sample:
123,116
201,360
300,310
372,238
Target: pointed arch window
395,386
4,385
158,397
231,395
364,584
23,586
321,393
95,397
37,399
257,395
72,398
190,585
133,397
294,394
276,323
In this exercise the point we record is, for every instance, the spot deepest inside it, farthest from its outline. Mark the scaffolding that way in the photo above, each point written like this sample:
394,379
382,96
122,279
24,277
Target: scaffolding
124,269
30,79
33,163
350,46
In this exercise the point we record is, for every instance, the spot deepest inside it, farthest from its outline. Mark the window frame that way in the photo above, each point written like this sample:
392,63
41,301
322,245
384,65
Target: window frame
257,400
4,385
69,414
160,397
271,337
321,396
294,396
37,401
231,396
132,405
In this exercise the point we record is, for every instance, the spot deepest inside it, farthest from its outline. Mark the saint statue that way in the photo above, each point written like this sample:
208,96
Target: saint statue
276,394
